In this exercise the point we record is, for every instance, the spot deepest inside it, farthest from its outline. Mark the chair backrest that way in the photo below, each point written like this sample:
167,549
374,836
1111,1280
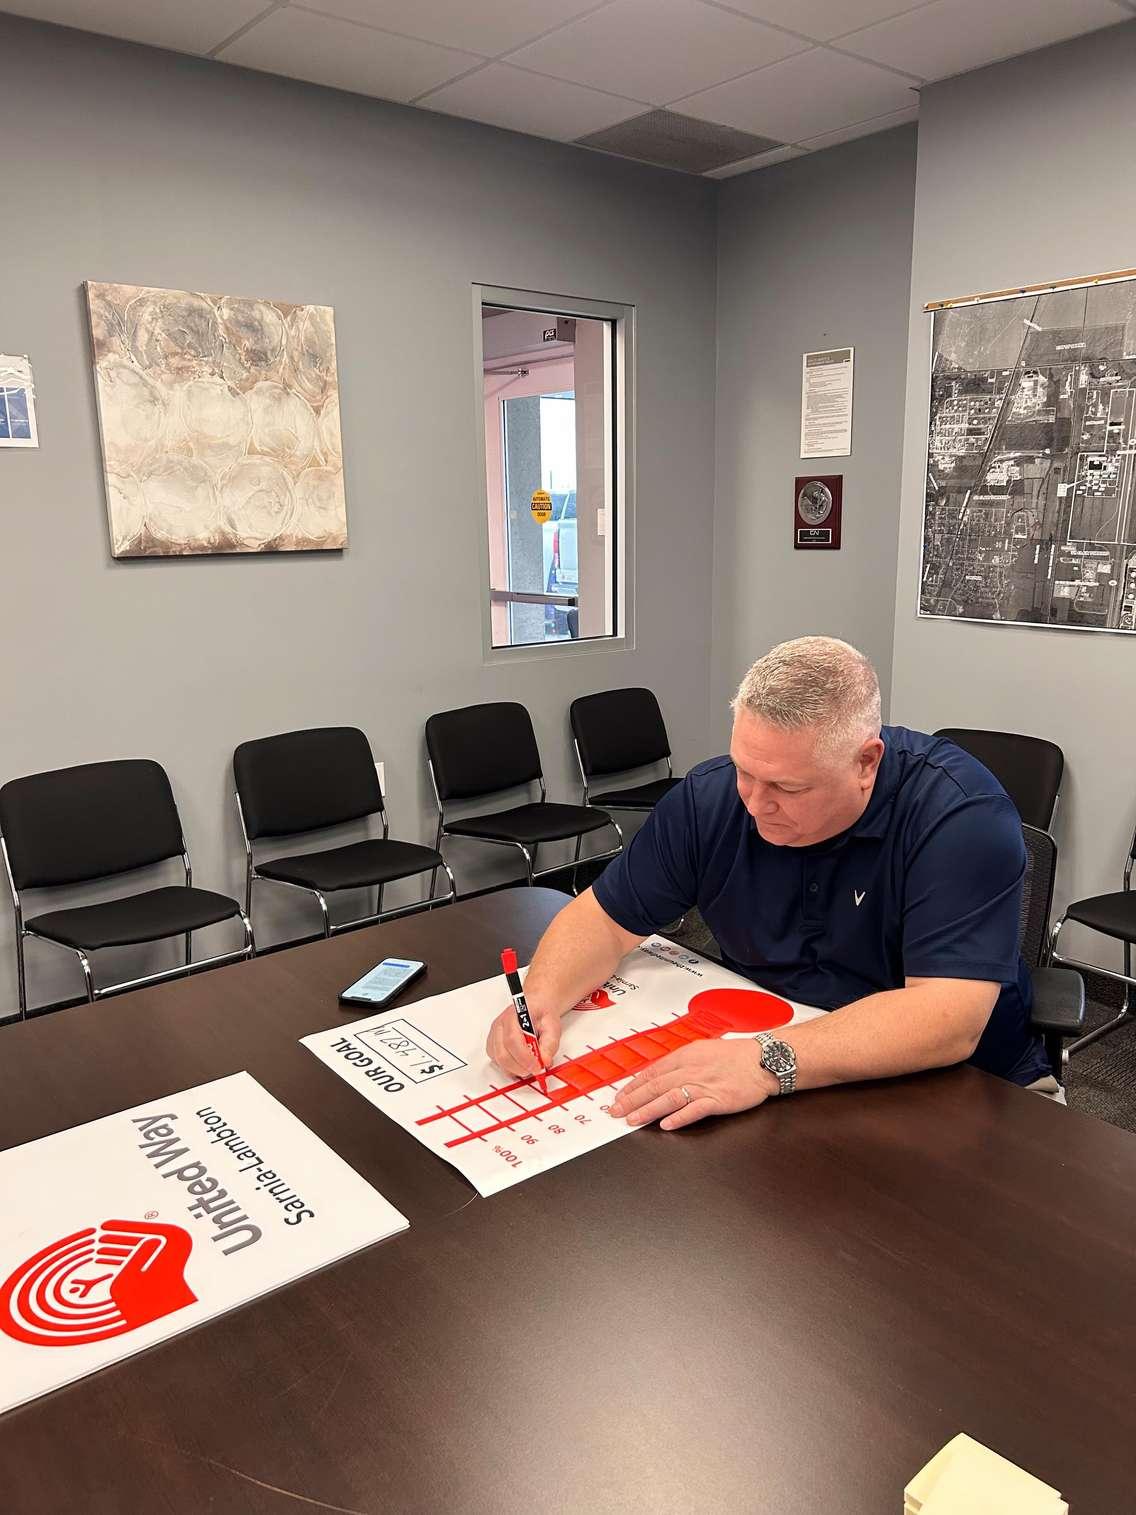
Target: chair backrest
305,780
1028,768
88,822
481,749
619,729
1037,894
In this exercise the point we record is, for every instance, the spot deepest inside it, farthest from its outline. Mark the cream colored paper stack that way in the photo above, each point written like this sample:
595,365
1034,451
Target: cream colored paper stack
966,1478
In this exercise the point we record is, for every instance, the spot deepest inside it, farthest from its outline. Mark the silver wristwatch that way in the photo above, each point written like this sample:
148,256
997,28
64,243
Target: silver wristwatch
779,1059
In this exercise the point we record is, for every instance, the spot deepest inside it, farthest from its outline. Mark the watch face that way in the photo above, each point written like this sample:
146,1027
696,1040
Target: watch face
814,502
778,1057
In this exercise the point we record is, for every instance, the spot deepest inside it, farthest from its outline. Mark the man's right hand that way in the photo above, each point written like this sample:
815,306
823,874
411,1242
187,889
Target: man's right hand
581,948
507,1047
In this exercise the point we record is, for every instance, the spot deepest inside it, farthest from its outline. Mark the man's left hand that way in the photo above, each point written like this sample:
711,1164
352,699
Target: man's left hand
706,1078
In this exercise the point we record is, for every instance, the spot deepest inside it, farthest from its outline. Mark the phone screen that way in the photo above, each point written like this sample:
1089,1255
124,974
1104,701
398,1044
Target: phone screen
383,982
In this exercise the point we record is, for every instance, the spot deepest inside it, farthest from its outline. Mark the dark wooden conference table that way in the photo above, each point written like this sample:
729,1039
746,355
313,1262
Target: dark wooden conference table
787,1311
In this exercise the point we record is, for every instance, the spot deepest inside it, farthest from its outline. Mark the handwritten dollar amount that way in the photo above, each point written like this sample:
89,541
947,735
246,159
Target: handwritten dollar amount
407,1050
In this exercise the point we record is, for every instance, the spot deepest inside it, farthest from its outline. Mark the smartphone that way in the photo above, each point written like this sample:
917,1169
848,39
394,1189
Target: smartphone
382,983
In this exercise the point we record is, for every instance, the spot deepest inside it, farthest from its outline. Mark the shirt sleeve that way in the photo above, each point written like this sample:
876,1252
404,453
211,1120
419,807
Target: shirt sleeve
654,879
963,894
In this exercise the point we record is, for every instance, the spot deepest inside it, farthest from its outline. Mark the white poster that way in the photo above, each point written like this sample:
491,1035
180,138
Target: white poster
118,1234
425,1065
826,403
17,403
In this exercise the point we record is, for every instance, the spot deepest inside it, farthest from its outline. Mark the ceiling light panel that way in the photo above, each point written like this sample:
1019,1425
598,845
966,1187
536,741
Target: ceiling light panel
668,140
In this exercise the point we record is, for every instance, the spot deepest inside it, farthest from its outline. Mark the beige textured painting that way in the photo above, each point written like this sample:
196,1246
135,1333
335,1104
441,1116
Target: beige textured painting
220,422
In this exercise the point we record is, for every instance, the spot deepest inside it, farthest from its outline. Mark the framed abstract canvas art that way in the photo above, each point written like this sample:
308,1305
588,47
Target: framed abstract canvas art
219,419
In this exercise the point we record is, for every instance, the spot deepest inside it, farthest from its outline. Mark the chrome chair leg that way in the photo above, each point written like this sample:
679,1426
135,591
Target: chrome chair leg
1126,1013
88,977
442,899
576,862
21,973
437,848
1125,1016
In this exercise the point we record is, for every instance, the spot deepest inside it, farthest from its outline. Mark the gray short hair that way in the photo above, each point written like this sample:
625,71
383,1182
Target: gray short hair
814,681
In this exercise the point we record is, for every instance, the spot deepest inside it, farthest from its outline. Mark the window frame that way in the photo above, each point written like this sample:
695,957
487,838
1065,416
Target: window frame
620,445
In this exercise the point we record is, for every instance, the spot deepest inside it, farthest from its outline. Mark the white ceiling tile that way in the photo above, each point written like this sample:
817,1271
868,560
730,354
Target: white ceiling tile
489,26
818,91
762,160
951,36
524,102
305,46
186,28
824,19
862,129
656,50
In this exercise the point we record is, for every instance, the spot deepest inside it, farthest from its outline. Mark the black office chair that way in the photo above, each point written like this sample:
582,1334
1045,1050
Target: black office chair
1058,993
1113,915
615,732
481,750
76,825
1028,768
303,781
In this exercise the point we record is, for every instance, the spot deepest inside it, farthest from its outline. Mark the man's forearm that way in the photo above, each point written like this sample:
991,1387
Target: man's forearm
580,949
927,1025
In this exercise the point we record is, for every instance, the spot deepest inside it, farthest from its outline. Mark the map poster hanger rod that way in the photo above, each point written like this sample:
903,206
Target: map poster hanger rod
1084,281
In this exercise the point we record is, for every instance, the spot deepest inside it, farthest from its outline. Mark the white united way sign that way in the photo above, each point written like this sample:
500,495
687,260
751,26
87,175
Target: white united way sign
129,1230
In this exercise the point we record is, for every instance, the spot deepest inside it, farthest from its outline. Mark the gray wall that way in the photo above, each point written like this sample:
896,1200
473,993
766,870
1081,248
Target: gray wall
148,168
1025,175
142,167
813,253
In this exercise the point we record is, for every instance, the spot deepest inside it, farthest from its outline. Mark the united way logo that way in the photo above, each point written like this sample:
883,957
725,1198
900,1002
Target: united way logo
97,1283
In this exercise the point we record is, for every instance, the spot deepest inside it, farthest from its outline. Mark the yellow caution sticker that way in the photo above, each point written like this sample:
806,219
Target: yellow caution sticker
541,505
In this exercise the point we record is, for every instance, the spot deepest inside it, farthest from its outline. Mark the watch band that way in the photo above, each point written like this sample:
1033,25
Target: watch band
778,1058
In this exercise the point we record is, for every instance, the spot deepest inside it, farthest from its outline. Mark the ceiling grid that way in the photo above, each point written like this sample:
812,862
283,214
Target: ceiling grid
713,87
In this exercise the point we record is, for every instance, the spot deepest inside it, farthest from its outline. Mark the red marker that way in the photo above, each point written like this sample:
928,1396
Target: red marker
520,1005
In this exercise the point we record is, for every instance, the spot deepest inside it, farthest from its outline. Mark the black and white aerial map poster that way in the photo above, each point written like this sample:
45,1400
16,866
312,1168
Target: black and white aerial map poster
1030,513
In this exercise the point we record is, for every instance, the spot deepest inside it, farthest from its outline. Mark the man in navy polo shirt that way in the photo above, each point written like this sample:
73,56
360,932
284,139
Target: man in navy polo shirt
874,873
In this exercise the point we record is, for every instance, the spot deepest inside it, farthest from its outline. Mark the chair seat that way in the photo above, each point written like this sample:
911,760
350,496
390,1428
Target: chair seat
1058,1001
640,797
137,918
528,824
1114,914
356,866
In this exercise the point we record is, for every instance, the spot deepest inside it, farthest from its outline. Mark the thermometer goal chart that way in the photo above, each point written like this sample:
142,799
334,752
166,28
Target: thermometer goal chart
424,1065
